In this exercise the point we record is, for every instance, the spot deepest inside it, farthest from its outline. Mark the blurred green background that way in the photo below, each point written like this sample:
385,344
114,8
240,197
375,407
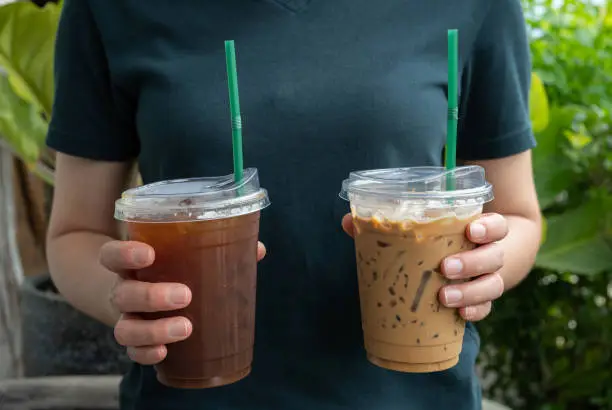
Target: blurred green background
548,345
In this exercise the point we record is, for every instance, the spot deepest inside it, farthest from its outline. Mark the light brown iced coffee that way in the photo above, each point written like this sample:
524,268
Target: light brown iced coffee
406,223
405,327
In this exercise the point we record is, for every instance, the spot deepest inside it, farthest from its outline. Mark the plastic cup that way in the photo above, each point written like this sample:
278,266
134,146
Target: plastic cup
204,232
406,223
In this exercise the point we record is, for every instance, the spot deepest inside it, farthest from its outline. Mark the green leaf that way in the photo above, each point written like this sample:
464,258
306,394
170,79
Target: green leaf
606,15
21,124
579,140
544,233
585,37
27,37
552,169
578,240
550,139
538,104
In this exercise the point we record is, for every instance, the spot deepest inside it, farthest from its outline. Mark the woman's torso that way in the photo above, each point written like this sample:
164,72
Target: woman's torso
326,87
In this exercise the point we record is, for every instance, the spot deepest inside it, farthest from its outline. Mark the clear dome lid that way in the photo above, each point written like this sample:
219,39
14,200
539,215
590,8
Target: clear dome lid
420,185
192,199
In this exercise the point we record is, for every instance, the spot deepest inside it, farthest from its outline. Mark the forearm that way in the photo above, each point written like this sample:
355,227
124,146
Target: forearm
520,249
78,275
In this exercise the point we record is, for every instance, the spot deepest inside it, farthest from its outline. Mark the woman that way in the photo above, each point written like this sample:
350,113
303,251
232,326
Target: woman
326,87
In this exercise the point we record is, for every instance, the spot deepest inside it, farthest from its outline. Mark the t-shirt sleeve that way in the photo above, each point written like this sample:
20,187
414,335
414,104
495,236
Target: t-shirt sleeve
494,107
90,118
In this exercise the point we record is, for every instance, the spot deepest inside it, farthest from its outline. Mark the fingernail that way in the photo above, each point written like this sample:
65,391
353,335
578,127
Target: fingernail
452,296
477,231
452,267
141,256
178,295
178,329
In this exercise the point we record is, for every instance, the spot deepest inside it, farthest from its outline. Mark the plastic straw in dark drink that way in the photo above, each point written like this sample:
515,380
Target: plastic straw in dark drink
234,100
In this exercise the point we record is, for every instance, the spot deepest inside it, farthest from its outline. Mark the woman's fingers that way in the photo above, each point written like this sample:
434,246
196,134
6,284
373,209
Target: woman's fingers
135,332
347,225
135,296
482,290
476,312
147,355
484,259
488,228
261,251
123,257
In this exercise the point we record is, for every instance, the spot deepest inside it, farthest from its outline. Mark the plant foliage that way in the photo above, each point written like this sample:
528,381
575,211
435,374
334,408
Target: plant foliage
548,345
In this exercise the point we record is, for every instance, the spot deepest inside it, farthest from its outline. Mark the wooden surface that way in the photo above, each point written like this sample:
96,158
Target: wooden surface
11,274
31,221
60,393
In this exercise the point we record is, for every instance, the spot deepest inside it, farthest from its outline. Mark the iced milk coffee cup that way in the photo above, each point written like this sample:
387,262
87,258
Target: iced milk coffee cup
204,232
406,222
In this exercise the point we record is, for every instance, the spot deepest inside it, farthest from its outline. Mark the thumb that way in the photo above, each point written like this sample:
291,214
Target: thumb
347,225
261,251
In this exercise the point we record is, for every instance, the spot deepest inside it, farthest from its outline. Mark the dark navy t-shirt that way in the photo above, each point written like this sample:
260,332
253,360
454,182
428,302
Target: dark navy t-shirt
326,87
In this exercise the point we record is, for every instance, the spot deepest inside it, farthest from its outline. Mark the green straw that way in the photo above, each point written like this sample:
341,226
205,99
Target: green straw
453,111
234,100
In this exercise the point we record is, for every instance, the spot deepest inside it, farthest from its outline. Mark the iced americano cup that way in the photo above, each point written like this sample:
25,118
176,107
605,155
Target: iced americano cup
407,221
204,232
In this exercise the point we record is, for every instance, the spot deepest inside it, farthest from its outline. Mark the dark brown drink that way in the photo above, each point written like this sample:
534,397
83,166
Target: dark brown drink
217,260
204,232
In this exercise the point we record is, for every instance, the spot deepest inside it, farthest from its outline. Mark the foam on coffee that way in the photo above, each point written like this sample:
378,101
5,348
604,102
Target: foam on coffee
410,212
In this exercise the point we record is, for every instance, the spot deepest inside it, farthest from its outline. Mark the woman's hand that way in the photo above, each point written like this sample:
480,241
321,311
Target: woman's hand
479,266
145,340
